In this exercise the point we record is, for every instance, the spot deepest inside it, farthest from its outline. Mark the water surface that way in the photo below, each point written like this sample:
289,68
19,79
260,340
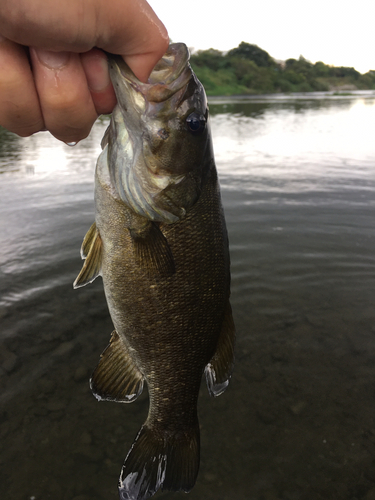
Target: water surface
297,422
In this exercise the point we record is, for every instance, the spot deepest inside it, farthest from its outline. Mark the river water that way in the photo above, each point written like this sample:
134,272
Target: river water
297,421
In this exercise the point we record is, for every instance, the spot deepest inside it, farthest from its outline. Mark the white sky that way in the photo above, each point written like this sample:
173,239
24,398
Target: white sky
337,32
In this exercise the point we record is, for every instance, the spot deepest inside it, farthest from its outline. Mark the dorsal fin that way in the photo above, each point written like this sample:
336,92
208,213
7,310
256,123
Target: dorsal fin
116,378
218,371
91,251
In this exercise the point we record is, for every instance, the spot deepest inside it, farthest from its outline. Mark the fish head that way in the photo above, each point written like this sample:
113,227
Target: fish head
159,140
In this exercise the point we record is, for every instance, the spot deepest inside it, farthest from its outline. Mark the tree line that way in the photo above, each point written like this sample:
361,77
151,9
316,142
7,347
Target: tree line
248,69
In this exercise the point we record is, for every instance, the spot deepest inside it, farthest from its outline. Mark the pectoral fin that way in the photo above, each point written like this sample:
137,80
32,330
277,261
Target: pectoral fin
218,371
88,241
91,251
152,250
116,378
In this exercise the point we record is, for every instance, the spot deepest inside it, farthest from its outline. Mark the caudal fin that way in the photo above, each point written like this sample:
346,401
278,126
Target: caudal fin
167,461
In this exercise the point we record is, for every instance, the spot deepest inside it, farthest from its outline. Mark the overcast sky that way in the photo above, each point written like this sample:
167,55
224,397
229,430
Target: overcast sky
336,32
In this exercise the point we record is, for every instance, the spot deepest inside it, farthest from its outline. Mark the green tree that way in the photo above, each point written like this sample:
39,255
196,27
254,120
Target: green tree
367,81
321,69
252,53
293,77
210,58
343,71
242,68
301,66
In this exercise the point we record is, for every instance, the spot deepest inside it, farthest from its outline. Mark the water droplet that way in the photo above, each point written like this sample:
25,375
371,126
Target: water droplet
71,144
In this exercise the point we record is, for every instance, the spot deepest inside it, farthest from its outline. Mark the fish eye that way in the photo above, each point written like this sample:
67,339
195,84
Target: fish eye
196,123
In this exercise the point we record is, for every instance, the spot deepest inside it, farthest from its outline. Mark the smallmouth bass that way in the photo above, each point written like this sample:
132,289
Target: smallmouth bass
160,243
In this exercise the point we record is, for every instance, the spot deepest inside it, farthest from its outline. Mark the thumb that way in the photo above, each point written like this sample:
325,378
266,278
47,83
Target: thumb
132,29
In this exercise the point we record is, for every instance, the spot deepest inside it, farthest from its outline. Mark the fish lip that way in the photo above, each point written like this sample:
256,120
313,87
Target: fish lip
170,74
171,65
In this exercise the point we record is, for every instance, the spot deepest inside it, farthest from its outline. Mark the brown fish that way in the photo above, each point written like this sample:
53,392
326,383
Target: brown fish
160,243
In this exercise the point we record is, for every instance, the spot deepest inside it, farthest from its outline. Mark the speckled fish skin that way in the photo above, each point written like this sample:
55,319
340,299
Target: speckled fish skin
161,248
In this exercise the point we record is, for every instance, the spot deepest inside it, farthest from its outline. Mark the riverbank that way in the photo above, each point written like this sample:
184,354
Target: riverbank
249,70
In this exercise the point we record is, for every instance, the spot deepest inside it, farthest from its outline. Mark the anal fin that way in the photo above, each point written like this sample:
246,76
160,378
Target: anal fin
116,378
91,251
218,371
152,250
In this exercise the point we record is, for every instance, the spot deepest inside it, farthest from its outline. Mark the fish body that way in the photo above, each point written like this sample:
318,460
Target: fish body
160,243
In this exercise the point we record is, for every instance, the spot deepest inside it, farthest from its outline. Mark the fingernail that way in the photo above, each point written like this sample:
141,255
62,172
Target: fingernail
97,73
53,60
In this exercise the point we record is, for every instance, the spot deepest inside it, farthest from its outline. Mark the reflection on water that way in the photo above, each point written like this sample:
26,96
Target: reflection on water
297,422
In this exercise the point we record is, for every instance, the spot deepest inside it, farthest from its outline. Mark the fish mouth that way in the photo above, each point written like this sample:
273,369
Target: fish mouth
170,75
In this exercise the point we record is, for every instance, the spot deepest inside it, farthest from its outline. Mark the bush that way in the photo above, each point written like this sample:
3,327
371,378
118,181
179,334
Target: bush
285,86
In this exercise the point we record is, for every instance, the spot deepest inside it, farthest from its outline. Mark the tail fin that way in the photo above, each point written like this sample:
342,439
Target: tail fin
167,461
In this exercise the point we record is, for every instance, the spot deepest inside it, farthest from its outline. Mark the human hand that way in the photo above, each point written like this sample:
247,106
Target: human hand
53,75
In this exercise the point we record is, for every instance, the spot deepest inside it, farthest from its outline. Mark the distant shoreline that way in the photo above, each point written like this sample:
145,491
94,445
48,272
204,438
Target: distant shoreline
250,70
297,95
